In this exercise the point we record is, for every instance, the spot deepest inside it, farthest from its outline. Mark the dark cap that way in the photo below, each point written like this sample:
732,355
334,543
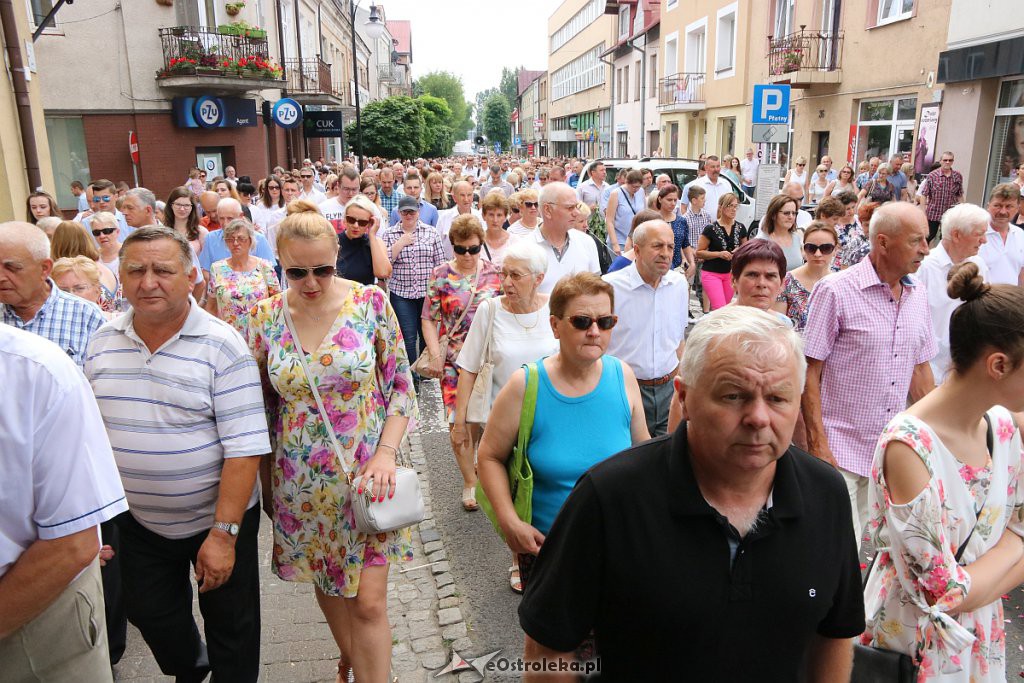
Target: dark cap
408,202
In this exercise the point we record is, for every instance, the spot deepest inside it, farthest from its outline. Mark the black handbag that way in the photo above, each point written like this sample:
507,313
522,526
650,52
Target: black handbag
877,665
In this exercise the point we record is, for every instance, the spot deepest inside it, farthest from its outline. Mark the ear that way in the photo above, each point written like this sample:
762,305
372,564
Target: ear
680,395
998,365
554,325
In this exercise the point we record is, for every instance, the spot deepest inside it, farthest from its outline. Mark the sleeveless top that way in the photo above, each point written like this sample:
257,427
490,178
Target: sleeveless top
571,434
881,193
354,260
848,187
800,178
625,210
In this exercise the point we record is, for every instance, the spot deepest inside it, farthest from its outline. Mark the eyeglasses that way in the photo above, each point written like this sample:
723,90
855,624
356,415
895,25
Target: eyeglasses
787,213
305,175
515,210
801,164
202,175
103,198
516,277
103,231
238,239
531,205
945,160
462,251
583,322
319,272
408,212
813,249
183,207
273,187
361,222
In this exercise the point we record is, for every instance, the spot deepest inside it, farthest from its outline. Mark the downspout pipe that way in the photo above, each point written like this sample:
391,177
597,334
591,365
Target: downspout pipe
21,95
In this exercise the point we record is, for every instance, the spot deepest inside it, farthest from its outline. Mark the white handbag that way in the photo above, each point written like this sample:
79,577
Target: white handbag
372,517
479,407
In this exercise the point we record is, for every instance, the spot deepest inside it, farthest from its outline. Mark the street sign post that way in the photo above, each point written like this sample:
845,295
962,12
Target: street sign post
497,148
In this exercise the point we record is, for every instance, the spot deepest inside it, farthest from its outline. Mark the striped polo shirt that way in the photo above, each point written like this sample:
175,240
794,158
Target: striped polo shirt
173,416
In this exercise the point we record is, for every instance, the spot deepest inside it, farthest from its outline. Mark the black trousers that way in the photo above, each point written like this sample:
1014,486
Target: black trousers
113,596
933,230
158,596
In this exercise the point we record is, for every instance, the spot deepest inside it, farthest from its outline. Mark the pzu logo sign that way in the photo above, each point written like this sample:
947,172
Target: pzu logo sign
209,112
287,113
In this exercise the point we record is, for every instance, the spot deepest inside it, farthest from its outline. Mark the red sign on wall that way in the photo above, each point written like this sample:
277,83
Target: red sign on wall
529,149
851,152
133,146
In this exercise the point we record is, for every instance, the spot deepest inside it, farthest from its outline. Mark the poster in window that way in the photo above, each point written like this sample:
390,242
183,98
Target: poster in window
924,152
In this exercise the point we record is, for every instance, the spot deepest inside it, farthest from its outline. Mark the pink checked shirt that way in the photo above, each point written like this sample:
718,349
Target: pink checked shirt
869,343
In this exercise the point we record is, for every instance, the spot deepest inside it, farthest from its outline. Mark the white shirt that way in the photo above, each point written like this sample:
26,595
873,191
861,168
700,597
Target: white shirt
748,171
444,225
334,212
174,416
518,228
714,190
652,322
590,193
59,476
1005,260
933,273
803,219
314,195
580,255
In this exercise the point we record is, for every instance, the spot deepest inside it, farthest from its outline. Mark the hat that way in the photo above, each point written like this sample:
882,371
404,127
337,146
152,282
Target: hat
408,202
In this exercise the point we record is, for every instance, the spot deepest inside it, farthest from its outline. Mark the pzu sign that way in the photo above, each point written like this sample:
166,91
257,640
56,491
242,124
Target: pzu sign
771,104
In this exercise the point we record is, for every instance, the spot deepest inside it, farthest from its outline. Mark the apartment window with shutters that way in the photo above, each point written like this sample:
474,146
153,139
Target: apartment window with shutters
725,42
1007,152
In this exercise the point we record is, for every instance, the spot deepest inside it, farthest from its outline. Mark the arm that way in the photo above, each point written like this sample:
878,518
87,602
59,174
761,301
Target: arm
702,250
689,257
829,659
463,390
609,219
637,420
216,558
780,307
535,652
828,188
209,300
921,381
379,258
41,574
432,340
810,405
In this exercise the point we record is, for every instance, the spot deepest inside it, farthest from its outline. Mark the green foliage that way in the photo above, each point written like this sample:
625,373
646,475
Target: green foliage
495,117
438,137
509,85
448,87
392,128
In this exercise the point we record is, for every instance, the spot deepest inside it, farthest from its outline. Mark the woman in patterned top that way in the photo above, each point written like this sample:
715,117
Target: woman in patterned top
947,501
240,281
820,242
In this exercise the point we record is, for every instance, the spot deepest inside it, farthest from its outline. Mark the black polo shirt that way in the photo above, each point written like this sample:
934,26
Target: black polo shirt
639,556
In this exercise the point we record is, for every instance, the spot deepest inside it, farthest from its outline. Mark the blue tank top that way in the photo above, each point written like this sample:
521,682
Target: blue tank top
572,434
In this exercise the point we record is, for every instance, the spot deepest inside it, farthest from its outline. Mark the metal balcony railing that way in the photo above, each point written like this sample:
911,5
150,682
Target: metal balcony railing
682,88
198,50
805,50
385,73
309,76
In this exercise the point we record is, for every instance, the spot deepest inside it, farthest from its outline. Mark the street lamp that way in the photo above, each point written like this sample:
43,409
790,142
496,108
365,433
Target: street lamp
374,27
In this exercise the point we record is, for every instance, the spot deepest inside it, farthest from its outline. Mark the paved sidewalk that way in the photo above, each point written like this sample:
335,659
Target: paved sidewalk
424,609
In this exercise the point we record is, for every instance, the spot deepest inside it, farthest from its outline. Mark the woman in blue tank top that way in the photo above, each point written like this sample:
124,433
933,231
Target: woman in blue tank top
588,409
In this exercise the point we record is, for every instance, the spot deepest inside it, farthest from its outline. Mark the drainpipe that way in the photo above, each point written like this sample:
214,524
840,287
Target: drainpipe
21,96
643,89
611,109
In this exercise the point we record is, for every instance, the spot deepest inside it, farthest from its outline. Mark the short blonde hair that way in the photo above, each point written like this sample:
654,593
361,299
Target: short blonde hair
82,265
583,209
104,218
579,284
304,222
528,195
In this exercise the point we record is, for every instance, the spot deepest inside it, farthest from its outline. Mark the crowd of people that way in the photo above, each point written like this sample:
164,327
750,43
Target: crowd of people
752,401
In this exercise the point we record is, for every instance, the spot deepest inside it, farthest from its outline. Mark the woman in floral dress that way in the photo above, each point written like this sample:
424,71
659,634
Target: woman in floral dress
240,281
463,282
820,241
947,476
354,350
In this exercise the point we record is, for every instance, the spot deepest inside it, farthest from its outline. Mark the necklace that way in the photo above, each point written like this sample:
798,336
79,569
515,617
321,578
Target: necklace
527,328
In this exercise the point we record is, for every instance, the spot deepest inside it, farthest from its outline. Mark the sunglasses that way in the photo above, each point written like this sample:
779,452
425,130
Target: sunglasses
530,205
801,164
515,210
361,222
407,212
273,187
583,322
305,176
787,213
319,272
462,251
825,249
103,231
104,198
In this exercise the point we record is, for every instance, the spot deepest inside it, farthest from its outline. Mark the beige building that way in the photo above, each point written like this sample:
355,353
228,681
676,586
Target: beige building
634,58
579,115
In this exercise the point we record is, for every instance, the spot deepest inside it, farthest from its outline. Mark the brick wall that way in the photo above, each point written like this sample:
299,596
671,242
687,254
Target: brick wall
168,152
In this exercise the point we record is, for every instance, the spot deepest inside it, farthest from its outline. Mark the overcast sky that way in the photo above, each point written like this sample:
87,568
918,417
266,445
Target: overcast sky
475,38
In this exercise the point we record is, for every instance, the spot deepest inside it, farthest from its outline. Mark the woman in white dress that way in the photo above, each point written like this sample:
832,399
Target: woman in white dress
818,185
946,500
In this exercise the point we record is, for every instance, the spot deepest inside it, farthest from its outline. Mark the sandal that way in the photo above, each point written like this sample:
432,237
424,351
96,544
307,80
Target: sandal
469,503
345,674
514,580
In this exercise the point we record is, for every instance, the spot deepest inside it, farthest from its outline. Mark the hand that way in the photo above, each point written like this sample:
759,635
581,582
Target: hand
106,555
460,436
378,475
727,255
617,249
215,561
406,239
375,226
522,538
436,368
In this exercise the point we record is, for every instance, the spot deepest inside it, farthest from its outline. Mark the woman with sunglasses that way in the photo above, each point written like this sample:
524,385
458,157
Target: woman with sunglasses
104,228
350,336
798,174
588,408
180,213
41,205
779,226
71,240
842,183
362,256
240,281
196,182
818,185
528,201
820,245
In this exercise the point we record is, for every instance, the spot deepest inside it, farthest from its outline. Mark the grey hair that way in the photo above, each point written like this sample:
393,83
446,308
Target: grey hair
145,197
236,225
49,223
28,236
104,218
528,253
641,233
886,167
229,201
963,219
151,233
550,193
756,334
887,220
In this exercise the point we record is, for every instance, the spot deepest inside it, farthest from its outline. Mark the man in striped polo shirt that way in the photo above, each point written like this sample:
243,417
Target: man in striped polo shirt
181,399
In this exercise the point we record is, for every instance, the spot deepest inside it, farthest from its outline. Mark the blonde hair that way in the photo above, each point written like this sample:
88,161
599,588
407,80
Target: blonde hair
104,218
82,265
70,239
304,222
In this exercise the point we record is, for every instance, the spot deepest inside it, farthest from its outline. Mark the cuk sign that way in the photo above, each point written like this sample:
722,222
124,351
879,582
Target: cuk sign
323,124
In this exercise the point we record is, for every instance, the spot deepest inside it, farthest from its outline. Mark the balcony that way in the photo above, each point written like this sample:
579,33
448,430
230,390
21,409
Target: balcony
385,73
805,58
201,60
681,92
309,82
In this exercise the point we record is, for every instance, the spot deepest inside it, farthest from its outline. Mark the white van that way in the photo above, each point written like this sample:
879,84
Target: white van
682,171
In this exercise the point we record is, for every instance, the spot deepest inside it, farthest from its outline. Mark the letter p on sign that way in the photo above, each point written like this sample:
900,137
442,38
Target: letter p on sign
771,104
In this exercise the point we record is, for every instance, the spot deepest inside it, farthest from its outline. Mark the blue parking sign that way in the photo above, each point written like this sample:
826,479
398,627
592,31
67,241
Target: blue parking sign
497,148
771,104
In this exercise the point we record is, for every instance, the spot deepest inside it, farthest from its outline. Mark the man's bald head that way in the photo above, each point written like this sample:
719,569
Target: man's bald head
26,235
794,190
228,209
893,218
208,200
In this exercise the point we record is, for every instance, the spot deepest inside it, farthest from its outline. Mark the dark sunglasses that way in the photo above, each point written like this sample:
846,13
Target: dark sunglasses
103,198
305,176
273,187
530,205
461,250
825,249
408,212
103,231
361,222
583,322
319,272
515,210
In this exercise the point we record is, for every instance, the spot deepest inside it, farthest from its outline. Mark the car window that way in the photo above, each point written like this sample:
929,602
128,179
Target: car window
680,176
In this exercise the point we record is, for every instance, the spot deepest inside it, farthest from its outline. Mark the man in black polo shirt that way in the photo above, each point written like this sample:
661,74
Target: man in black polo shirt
717,553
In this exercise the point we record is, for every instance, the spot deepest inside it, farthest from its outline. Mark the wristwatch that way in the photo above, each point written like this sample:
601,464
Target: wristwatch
226,527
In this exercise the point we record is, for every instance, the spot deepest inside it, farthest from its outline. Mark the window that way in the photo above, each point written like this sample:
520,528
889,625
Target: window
637,79
894,10
592,11
38,9
671,56
582,73
623,22
696,47
652,75
671,5
1007,151
618,86
625,83
725,42
69,156
782,21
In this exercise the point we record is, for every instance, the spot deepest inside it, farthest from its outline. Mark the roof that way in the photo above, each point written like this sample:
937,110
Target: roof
526,78
652,18
401,31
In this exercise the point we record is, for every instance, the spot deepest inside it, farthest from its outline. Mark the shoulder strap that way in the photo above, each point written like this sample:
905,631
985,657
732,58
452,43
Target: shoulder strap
629,200
312,387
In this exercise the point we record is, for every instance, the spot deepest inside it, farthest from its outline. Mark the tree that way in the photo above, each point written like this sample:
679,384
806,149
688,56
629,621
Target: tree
496,119
448,87
392,128
482,97
509,85
438,137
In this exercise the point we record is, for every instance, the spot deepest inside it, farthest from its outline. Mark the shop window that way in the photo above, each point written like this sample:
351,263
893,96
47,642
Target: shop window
69,157
1007,150
885,127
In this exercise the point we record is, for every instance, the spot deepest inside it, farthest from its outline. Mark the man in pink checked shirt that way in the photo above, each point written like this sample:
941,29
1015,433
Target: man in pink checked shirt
868,342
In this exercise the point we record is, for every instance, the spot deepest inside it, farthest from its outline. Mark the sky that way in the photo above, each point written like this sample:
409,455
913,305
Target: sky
474,39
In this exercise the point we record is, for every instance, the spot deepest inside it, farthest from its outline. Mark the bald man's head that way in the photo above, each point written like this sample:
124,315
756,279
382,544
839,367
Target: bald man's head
208,200
228,209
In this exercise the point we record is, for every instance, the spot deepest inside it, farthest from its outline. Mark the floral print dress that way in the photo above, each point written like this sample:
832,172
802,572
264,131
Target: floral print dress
448,294
917,542
796,298
236,292
363,376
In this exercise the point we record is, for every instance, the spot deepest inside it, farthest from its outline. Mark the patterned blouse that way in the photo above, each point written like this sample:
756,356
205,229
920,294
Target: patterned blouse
236,292
795,296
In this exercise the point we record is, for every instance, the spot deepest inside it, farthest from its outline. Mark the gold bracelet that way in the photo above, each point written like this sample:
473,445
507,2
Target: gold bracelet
384,445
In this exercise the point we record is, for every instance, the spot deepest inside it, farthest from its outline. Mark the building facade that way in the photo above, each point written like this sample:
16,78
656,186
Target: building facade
578,98
634,58
527,124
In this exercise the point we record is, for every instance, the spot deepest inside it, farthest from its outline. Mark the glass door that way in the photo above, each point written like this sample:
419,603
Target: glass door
829,46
